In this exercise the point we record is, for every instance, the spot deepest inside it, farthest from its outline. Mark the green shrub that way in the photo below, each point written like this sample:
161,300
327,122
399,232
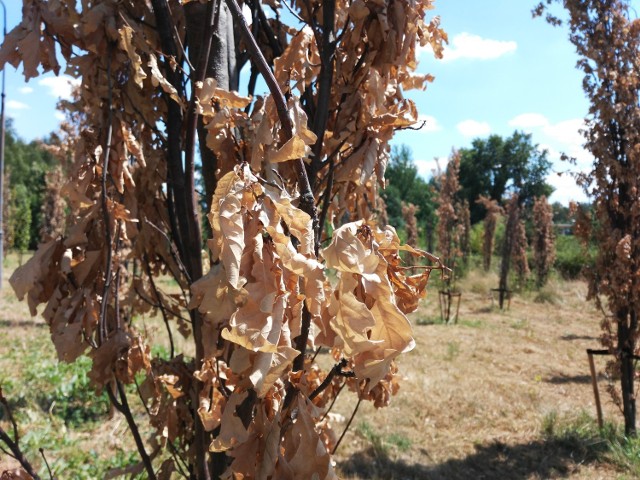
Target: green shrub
571,257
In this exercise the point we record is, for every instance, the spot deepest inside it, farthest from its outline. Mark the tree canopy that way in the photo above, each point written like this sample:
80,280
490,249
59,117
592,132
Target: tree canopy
26,167
495,166
404,183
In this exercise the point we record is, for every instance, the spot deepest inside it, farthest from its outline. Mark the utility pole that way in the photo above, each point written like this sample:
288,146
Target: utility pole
4,35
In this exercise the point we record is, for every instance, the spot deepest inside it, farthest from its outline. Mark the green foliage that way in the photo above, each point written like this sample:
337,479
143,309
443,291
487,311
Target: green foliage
26,166
561,213
494,167
476,238
20,219
572,257
380,444
61,389
405,184
589,442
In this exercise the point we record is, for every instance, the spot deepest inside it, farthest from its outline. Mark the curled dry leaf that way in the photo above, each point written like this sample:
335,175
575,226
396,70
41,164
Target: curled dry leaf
345,99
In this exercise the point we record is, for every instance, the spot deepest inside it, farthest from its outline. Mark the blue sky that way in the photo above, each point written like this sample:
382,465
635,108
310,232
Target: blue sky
502,71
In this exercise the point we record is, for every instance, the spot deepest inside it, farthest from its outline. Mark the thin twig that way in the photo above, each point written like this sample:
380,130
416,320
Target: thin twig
118,275
174,253
102,329
313,359
17,454
46,463
12,419
334,400
325,205
145,259
293,12
123,407
336,370
148,301
346,428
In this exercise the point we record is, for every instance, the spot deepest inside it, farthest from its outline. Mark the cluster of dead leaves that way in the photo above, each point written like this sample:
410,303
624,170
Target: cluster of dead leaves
265,276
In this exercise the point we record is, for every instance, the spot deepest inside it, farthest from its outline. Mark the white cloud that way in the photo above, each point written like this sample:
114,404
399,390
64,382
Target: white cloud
559,138
565,188
25,90
567,132
473,128
61,86
59,115
430,124
427,168
529,120
16,105
470,46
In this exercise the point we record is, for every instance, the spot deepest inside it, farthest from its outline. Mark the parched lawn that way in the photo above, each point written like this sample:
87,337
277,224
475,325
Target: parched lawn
499,395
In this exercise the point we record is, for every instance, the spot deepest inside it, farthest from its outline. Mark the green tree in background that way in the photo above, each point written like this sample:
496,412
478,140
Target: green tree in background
405,184
495,166
26,166
20,217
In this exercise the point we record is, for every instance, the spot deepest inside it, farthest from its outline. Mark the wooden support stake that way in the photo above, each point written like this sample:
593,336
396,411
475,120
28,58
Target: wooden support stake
445,299
594,383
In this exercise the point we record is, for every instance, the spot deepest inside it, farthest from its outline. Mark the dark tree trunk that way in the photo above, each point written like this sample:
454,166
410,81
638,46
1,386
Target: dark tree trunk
221,66
627,324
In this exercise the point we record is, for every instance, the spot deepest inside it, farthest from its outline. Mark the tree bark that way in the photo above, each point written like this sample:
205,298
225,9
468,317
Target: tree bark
627,323
221,66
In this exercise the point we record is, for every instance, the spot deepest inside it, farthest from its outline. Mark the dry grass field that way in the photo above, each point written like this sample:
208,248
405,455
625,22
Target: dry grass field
499,395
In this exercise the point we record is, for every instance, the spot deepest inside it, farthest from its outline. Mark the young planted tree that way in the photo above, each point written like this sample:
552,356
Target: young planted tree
410,223
244,399
519,253
450,228
494,211
607,40
544,250
54,206
512,213
465,238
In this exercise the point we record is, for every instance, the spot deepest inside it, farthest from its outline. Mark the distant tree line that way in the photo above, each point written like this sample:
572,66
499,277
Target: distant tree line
491,172
27,166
